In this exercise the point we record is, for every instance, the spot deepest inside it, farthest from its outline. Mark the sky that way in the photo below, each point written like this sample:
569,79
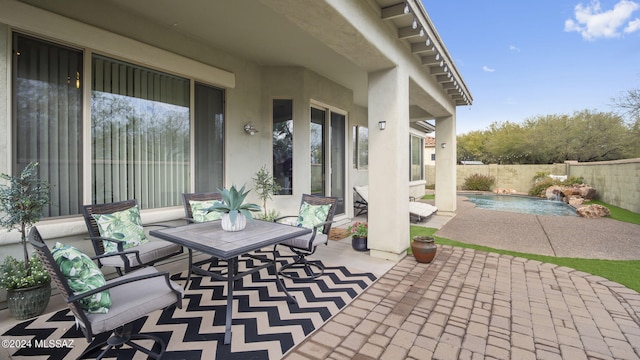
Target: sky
522,59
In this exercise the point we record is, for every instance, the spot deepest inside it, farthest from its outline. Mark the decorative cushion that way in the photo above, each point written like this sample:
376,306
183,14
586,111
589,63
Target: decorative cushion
199,210
82,275
125,225
312,215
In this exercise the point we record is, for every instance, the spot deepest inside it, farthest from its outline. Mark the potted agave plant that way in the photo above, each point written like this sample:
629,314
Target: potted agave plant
235,211
22,202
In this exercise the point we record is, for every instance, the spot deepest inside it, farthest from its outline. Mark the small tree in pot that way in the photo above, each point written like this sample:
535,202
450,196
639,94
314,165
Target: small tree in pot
266,186
22,203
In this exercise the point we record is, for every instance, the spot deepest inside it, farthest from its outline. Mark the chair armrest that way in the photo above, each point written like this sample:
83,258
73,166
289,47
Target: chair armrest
284,217
119,243
322,224
120,253
120,282
157,224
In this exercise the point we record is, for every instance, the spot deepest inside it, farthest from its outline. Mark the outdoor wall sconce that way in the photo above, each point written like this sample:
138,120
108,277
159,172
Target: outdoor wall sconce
443,145
250,129
382,125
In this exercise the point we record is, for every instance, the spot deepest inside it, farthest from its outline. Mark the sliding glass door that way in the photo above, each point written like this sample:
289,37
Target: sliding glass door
328,154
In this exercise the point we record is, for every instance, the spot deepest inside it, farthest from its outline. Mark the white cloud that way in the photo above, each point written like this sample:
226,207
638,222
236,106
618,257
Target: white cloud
592,23
488,69
514,48
632,26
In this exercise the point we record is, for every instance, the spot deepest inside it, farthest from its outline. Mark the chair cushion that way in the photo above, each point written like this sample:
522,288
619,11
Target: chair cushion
82,275
302,242
149,252
312,215
199,210
125,225
134,300
421,209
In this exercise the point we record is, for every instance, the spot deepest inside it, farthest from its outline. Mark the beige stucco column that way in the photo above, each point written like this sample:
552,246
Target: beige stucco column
446,165
388,164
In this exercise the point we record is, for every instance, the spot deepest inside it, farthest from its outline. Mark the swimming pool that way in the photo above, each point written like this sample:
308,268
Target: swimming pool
521,204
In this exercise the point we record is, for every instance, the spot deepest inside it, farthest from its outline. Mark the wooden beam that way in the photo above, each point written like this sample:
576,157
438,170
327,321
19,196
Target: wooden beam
393,11
422,47
437,70
431,60
408,32
444,79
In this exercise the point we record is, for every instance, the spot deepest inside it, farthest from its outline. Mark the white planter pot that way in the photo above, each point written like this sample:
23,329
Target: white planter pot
241,222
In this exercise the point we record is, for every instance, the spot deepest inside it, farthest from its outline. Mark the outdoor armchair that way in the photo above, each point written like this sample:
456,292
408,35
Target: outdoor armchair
195,205
316,213
128,298
117,227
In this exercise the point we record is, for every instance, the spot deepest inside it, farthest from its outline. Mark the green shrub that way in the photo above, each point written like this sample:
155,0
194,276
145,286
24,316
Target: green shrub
479,182
541,182
540,185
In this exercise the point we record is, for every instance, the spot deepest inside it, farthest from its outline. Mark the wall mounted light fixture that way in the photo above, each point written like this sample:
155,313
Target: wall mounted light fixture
382,125
443,145
250,129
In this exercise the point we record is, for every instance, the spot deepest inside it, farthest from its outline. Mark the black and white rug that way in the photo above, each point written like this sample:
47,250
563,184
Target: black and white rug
265,325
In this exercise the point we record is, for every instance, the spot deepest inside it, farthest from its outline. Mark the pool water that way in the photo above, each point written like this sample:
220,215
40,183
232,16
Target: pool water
521,204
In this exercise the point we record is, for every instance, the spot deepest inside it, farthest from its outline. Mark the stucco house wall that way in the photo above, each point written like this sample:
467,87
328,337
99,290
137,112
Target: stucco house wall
354,62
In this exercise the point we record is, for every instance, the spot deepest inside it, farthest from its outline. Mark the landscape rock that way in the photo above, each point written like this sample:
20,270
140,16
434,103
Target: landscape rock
504,191
587,192
593,211
554,192
571,193
575,200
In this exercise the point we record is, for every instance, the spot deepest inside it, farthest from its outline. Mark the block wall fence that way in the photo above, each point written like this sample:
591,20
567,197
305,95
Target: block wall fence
616,182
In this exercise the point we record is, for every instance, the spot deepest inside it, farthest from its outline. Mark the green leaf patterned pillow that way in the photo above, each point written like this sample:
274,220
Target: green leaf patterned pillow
199,212
312,215
125,225
82,275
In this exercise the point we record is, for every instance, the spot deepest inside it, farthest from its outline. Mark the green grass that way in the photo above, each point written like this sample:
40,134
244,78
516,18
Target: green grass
625,272
619,213
428,197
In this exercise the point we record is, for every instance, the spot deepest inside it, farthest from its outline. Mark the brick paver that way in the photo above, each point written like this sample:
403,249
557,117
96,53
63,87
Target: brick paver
470,305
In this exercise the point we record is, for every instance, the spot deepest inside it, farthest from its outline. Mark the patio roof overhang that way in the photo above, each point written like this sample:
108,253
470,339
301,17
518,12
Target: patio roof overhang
343,48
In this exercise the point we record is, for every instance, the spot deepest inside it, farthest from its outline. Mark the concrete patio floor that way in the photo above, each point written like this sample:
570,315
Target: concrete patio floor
468,304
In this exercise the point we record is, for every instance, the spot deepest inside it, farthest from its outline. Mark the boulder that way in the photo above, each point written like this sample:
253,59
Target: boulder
587,192
554,192
575,201
593,211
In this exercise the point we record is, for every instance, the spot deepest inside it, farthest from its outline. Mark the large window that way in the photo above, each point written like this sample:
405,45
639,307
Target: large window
209,138
139,118
361,147
283,144
416,168
47,118
140,130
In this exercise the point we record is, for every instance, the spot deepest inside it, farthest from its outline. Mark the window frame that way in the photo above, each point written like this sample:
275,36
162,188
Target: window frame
140,55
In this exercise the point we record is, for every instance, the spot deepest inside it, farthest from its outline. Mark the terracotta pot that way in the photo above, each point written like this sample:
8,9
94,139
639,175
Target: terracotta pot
359,243
423,248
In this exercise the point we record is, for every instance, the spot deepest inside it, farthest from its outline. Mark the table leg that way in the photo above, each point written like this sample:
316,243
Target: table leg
232,269
186,285
279,280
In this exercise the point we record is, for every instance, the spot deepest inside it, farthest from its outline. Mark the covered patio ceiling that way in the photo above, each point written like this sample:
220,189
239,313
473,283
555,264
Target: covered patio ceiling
317,37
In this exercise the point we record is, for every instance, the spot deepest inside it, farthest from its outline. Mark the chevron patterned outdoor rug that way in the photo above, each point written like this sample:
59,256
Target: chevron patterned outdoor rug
265,325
